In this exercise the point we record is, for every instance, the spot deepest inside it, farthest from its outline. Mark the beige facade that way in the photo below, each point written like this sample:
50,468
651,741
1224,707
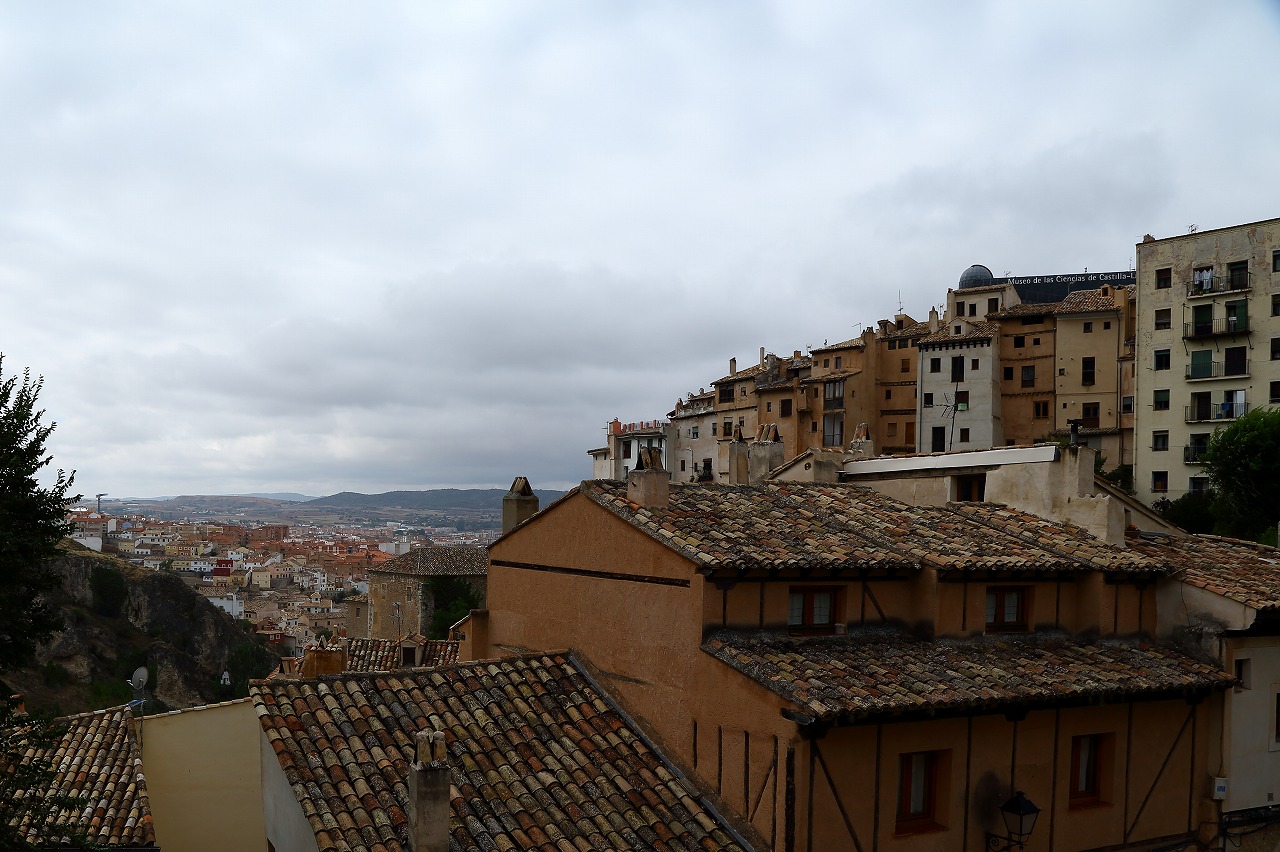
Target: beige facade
1094,353
1208,340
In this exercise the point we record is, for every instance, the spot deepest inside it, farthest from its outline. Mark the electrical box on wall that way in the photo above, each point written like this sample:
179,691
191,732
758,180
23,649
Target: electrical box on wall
1219,789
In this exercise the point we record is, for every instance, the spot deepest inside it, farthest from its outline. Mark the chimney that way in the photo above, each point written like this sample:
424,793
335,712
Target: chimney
429,808
933,319
761,356
649,485
766,454
320,659
518,505
733,366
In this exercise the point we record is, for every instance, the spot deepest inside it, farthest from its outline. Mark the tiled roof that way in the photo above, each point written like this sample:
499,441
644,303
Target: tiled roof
1026,310
976,331
909,330
795,525
852,343
830,376
1087,302
98,761
440,560
748,373
383,655
881,672
540,760
1242,571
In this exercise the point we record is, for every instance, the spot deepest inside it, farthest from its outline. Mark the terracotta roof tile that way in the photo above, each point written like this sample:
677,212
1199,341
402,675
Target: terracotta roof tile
975,331
881,672
442,560
913,329
99,762
1087,302
383,655
1026,309
851,343
814,526
540,759
749,372
1242,571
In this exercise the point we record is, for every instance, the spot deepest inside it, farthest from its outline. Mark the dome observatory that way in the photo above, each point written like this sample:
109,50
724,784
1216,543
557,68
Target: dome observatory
976,276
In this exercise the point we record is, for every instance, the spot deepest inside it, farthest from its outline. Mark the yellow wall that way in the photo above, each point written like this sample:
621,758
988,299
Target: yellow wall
204,778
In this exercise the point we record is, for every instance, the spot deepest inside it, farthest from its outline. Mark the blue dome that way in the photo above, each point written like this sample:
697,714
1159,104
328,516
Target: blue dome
976,276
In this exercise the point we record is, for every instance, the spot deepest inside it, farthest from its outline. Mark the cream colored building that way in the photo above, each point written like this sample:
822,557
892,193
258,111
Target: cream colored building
1208,346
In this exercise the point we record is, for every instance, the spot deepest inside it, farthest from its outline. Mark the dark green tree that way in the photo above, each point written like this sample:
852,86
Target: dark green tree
1192,511
1243,466
32,521
453,598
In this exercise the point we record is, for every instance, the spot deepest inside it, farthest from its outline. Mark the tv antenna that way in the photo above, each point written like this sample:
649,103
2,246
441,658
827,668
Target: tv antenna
139,683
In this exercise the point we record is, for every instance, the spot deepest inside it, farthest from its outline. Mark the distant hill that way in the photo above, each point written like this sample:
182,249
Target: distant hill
440,499
288,497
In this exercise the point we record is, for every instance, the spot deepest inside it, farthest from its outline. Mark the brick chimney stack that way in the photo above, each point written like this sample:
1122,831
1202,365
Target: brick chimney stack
518,505
649,485
323,659
429,808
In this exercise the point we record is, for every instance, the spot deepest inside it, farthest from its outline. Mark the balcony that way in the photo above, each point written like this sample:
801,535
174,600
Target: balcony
1216,327
832,403
1214,411
1217,370
1193,453
1235,282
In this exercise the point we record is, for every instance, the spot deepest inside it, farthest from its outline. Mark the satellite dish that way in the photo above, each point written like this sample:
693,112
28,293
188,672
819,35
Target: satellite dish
139,679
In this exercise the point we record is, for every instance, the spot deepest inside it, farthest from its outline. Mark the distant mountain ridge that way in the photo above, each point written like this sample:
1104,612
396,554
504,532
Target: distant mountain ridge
440,498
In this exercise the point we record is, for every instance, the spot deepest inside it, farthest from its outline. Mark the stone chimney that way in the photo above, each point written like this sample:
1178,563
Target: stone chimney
761,356
933,319
429,808
323,659
766,454
518,505
649,485
733,366
739,461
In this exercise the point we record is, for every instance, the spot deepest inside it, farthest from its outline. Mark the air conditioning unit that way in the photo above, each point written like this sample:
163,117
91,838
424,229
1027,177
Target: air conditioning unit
962,406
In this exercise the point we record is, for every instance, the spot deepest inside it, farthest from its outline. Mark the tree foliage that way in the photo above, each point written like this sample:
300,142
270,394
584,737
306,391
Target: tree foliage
454,597
1243,466
32,521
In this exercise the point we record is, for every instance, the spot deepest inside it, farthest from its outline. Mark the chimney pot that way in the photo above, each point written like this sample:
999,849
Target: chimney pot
649,485
733,366
518,505
429,808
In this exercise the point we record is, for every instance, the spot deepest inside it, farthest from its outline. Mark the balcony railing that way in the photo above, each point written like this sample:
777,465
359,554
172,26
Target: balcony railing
828,403
1215,411
1216,327
1193,453
1230,283
1217,369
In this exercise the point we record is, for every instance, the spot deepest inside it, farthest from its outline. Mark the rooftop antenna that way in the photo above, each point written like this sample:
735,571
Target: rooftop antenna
899,300
100,496
1191,229
139,682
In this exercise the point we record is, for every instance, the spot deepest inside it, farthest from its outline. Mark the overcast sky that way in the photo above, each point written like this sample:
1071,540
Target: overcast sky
317,247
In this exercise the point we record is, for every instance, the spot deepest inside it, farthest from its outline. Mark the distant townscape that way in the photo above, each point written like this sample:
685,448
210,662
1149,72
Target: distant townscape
911,591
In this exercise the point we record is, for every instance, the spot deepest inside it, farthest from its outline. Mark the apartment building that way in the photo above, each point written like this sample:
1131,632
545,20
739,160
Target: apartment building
1095,368
1208,346
623,444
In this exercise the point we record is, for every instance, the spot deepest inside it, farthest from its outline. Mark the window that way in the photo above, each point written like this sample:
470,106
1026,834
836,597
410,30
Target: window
962,400
1198,484
1106,326
1019,341
728,427
891,430
1035,341
693,431
906,365
1242,670
838,360
935,365
970,488
964,436
1126,405
826,362
1041,410
1275,305
1086,371
833,395
682,465
726,393
1161,359
785,408
1090,757
973,309
957,368
1238,275
888,393
928,399
832,430
919,775
1089,415
1160,441
1008,374
1164,318
1088,328
993,305
1275,349
1029,376
626,449
1007,608
1275,392
1202,279
1160,400
973,364
713,430
958,330
959,309
893,344
1164,278
1160,481
812,610
1275,261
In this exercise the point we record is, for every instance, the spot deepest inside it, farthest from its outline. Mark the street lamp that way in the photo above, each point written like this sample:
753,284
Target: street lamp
1019,815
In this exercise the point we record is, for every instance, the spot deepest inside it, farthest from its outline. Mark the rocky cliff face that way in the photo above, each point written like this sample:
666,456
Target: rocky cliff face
119,617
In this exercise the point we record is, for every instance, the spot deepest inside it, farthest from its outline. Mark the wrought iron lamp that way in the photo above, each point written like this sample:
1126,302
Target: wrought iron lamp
1019,815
